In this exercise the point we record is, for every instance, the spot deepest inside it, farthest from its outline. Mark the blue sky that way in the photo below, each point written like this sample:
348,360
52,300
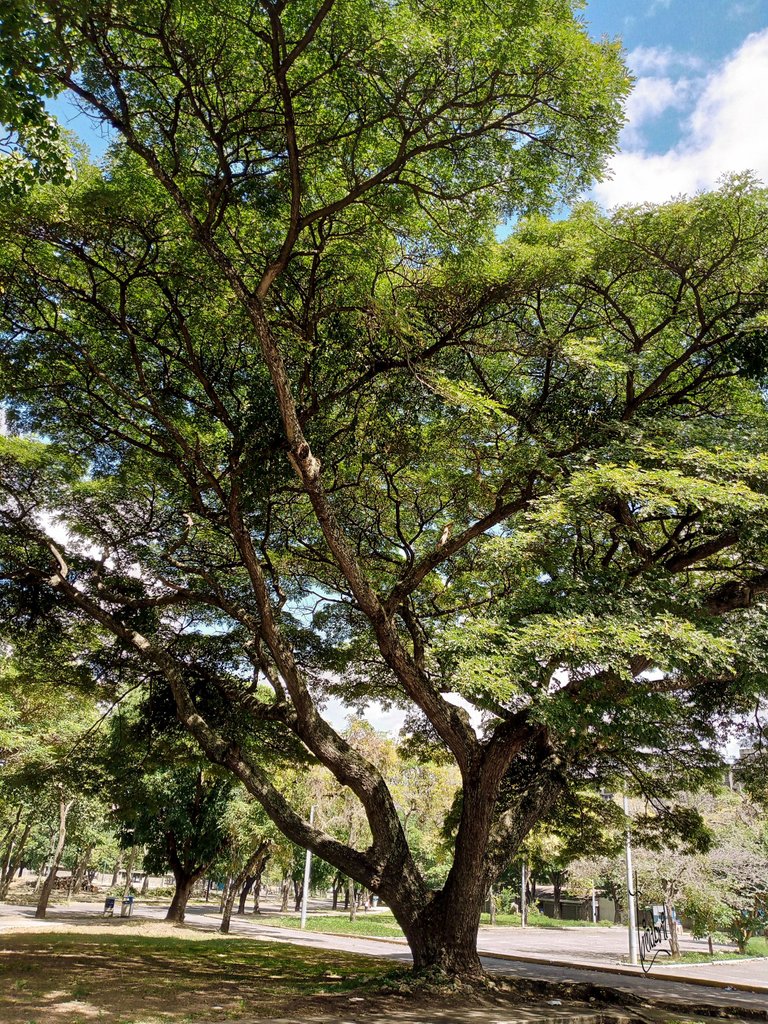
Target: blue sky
699,108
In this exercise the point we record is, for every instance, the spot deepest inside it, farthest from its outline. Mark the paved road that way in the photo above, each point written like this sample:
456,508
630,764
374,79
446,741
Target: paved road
660,986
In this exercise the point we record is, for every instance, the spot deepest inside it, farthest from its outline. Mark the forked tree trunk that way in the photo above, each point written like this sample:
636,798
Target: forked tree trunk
249,868
45,894
441,928
78,875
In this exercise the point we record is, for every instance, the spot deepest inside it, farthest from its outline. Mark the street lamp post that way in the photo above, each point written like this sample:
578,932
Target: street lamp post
631,894
307,873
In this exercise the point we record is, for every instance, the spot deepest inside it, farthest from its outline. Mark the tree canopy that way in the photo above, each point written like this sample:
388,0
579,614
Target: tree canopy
292,421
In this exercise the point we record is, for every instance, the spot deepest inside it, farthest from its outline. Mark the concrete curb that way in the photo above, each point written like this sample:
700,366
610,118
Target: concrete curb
635,972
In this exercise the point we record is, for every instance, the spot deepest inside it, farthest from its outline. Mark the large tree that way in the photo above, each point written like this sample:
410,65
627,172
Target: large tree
304,422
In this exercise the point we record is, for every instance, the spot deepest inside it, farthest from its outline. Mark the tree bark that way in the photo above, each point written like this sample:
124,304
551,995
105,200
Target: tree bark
674,942
244,894
13,858
335,891
259,871
76,881
248,871
557,901
351,899
285,888
129,871
182,892
65,807
116,873
225,893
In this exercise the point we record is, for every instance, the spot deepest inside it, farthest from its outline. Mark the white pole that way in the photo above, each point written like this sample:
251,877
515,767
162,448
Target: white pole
523,903
307,872
594,906
631,894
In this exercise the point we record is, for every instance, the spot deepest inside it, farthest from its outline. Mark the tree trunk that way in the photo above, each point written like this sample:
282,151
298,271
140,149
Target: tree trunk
248,871
492,905
674,942
42,904
335,891
129,872
182,892
244,894
225,893
351,899
298,895
557,902
145,884
259,871
444,936
12,861
116,873
285,887
76,881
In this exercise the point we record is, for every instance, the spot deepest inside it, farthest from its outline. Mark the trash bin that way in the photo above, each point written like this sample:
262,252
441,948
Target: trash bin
127,907
109,906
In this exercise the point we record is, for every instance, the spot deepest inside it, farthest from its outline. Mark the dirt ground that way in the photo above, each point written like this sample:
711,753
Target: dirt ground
130,972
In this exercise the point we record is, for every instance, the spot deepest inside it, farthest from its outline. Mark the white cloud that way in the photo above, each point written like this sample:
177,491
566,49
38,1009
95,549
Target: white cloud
726,131
644,60
652,96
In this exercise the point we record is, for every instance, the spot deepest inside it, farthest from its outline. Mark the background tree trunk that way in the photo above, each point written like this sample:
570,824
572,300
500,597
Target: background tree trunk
244,894
116,873
65,807
351,899
285,887
557,900
76,881
248,871
13,859
129,871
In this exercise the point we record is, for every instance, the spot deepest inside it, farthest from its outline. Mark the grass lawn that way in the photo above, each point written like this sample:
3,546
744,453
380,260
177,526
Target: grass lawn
146,975
755,947
383,925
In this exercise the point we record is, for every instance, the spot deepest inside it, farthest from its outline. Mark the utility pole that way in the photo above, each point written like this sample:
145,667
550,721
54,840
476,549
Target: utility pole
631,893
307,872
524,895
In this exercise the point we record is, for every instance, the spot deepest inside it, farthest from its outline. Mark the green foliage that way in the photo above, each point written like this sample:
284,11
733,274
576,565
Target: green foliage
341,442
